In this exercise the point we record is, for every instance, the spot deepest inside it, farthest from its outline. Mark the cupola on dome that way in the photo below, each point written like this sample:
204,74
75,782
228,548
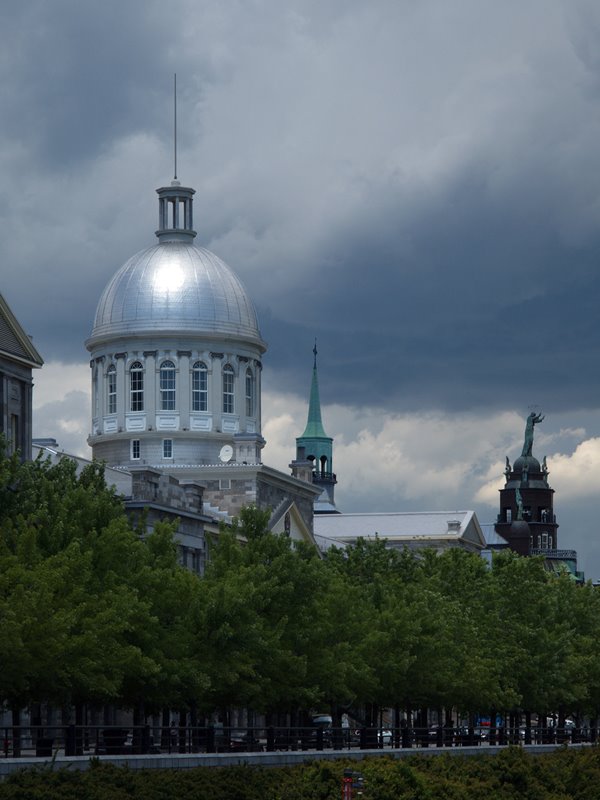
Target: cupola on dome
175,287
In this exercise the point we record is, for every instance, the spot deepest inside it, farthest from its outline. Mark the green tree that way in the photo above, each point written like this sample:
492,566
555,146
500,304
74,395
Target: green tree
526,631
77,588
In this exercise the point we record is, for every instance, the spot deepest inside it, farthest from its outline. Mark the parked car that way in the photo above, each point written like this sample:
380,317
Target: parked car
384,737
479,734
483,734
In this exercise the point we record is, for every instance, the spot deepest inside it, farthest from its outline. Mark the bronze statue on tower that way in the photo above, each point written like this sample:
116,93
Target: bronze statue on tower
526,519
532,419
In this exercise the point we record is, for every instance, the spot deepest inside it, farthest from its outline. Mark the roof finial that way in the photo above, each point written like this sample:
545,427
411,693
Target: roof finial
315,352
175,124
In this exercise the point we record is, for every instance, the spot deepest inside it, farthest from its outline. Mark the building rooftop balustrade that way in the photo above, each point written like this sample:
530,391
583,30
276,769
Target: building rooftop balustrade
562,555
319,476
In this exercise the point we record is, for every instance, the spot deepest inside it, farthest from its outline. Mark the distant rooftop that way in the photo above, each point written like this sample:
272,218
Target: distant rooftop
409,525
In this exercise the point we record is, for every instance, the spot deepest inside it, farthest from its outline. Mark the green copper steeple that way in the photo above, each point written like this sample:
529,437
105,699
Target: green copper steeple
314,425
314,445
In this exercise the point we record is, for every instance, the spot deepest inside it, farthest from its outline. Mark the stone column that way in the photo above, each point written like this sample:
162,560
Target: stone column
216,388
258,374
122,389
242,366
151,388
101,386
238,388
184,389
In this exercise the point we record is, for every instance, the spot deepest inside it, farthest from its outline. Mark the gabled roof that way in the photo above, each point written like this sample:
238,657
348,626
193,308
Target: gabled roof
298,530
119,478
402,527
492,539
14,342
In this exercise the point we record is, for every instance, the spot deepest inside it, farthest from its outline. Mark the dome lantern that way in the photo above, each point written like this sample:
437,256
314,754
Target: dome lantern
175,213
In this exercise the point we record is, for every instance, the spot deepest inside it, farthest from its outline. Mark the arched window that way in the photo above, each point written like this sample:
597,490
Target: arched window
199,387
250,394
228,381
167,386
111,383
136,386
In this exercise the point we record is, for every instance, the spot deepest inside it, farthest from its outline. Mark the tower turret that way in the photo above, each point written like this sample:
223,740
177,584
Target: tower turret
526,501
316,447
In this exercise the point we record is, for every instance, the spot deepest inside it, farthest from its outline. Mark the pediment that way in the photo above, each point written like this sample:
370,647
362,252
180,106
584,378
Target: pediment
14,342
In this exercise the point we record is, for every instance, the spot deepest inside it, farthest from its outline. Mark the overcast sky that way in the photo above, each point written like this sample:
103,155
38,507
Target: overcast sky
417,184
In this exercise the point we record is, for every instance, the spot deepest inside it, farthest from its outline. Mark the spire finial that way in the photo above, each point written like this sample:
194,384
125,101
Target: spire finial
175,126
315,354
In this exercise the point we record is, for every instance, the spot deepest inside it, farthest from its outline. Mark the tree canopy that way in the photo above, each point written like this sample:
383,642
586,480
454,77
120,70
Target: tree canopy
93,611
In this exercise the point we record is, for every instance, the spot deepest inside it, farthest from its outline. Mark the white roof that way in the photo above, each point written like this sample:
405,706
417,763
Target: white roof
491,537
400,526
119,478
325,543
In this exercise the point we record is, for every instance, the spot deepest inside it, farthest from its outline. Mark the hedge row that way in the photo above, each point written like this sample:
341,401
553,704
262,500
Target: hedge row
564,774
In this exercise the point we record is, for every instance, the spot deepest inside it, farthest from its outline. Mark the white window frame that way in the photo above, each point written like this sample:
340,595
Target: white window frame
136,386
250,394
199,387
167,381
167,449
228,389
135,448
111,389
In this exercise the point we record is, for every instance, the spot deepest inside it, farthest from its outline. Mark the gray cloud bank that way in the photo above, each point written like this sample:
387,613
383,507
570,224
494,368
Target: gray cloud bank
417,185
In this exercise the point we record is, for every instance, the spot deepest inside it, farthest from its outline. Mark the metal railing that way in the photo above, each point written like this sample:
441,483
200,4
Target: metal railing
556,554
72,740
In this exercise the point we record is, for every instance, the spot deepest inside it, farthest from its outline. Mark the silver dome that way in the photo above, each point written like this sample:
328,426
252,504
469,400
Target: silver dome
175,287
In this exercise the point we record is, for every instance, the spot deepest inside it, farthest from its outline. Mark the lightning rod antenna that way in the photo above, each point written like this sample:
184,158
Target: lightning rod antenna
175,123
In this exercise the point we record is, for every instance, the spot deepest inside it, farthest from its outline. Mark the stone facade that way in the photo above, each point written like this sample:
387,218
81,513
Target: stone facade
197,436
18,358
231,487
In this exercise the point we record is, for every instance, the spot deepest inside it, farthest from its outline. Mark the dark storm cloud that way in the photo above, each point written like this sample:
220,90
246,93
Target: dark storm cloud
414,184
472,302
81,75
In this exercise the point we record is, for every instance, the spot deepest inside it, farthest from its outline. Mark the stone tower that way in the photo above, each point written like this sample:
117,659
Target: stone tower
526,519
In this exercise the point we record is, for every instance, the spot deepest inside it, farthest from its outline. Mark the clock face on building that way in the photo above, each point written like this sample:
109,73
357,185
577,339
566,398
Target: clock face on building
226,453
